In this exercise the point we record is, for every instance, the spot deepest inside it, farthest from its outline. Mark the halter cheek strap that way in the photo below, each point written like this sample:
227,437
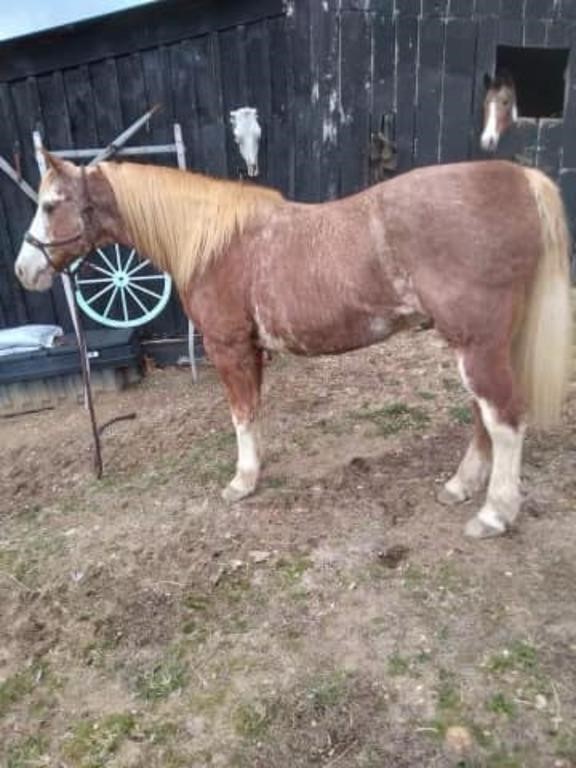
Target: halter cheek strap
86,213
43,247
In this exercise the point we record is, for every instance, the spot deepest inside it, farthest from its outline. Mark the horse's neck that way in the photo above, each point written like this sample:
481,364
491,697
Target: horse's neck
182,222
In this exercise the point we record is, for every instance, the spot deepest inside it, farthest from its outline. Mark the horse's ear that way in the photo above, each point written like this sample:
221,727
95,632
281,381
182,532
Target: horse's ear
487,81
505,77
59,166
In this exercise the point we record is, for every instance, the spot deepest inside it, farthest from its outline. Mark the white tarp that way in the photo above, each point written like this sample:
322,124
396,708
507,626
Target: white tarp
27,338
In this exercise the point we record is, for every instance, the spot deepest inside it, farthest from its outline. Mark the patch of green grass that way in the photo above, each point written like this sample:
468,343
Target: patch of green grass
233,587
499,704
208,702
212,458
565,744
8,558
447,693
96,652
161,732
504,759
449,578
18,686
331,426
414,576
252,720
461,414
450,384
425,395
398,665
195,622
27,753
520,656
92,743
274,482
292,568
328,690
395,417
163,679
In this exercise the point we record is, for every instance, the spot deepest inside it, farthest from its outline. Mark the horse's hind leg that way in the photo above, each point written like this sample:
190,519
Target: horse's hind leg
474,470
240,368
489,375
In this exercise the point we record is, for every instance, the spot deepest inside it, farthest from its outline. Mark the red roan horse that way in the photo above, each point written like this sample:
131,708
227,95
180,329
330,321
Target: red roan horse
480,249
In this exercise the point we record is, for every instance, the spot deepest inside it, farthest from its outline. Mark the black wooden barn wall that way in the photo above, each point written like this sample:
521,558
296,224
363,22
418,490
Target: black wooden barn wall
324,75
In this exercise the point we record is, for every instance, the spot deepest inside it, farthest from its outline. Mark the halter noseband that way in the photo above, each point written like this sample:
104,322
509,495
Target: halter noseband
86,214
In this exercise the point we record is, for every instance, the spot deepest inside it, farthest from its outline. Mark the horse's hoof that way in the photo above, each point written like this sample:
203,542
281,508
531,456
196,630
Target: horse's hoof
449,499
478,529
232,493
453,492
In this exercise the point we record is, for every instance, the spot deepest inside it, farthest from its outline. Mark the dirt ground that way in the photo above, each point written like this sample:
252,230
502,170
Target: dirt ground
337,618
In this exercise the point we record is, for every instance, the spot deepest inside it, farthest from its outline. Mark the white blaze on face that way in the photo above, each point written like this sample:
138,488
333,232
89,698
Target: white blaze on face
247,133
31,267
490,137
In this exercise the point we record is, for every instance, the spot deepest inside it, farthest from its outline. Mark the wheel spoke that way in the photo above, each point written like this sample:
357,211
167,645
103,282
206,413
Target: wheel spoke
92,299
100,269
137,300
109,305
107,260
130,260
124,305
147,291
92,280
140,278
138,267
118,259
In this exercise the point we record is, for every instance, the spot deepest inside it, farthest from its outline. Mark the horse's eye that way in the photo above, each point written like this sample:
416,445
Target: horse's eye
48,208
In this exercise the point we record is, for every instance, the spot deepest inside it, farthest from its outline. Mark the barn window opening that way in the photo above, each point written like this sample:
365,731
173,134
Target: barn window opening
540,78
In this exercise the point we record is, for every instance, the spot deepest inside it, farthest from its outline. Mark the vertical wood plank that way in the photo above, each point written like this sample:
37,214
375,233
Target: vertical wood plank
428,108
258,86
457,106
281,155
355,102
232,68
329,105
550,134
28,118
407,51
80,107
106,99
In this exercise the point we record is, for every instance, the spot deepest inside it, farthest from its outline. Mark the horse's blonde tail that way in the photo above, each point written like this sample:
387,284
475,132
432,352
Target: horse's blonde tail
542,348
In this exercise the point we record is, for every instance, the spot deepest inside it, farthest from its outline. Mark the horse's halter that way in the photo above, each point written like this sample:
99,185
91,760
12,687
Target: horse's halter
86,215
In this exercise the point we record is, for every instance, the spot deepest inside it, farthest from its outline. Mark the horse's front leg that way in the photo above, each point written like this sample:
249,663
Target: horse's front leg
240,369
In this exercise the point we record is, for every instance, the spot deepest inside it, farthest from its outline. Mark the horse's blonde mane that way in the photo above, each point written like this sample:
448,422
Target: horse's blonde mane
181,221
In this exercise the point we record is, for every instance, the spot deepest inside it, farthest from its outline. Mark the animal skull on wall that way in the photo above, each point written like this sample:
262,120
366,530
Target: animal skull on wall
247,132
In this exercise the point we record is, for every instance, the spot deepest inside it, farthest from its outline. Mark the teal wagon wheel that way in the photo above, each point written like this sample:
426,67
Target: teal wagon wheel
119,290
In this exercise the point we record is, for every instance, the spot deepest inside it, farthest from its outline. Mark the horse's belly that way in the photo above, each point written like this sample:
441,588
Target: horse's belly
316,330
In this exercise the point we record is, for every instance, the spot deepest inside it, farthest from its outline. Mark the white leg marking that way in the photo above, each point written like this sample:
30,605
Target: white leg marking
503,498
471,477
489,138
474,469
248,465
